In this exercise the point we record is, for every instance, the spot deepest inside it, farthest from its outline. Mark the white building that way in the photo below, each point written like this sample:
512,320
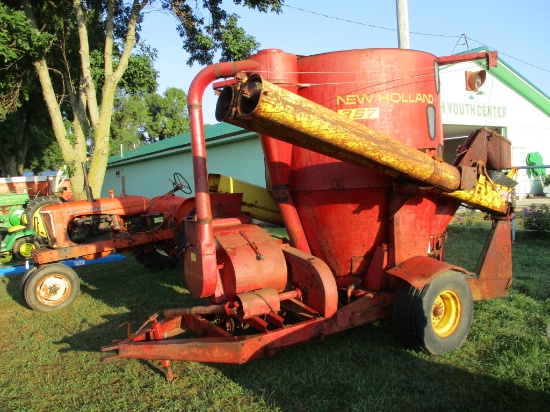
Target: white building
506,101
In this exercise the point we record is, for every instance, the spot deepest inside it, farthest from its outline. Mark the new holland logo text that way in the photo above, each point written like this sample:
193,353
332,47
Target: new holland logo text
395,97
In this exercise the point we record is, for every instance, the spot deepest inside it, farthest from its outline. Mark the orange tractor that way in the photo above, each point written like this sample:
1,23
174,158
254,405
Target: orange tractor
95,228
353,145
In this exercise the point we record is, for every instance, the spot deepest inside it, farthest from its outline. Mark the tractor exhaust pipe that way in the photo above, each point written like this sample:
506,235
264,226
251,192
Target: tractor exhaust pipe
87,187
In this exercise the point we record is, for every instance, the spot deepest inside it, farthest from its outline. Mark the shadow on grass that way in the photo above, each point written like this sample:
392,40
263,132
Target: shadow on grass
112,294
362,369
129,292
365,368
119,284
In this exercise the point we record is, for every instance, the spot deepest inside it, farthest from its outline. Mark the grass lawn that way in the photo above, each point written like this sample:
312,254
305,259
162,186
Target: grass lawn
52,361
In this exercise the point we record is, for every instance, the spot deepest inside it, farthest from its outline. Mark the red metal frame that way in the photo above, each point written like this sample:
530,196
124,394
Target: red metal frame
101,249
490,57
221,347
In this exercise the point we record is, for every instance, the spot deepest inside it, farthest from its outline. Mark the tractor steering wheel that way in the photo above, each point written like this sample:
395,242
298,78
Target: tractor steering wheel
182,184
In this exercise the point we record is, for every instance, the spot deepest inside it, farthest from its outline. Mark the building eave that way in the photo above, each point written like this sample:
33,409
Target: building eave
149,152
509,76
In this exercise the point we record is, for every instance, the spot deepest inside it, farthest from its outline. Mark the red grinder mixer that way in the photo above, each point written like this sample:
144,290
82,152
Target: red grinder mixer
353,146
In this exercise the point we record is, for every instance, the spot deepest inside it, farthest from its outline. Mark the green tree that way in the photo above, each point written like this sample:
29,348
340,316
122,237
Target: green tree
91,42
23,114
143,119
46,157
168,113
18,45
130,117
25,135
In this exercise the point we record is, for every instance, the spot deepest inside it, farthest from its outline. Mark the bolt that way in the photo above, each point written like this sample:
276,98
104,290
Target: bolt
437,311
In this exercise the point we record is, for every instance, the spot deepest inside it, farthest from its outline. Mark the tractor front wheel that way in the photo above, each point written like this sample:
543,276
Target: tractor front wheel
51,287
27,274
23,247
436,318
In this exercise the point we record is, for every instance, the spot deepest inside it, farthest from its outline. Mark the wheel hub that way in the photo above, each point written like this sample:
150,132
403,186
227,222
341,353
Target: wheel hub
26,249
446,313
53,290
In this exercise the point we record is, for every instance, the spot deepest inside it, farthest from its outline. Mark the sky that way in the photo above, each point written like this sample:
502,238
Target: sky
519,30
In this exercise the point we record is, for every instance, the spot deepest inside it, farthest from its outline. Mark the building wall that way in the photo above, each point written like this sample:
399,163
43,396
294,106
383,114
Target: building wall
527,127
242,159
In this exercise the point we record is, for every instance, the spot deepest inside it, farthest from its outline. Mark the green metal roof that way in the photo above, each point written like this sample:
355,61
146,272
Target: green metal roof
219,133
517,82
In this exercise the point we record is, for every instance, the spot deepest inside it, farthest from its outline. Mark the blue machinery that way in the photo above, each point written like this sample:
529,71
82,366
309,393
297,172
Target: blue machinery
24,266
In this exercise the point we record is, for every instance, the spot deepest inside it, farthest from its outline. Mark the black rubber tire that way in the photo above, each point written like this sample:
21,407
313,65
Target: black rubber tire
51,287
414,310
154,259
22,245
25,277
32,209
403,317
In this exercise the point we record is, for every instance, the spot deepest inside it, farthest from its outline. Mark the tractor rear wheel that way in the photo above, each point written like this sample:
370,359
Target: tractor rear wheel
23,247
51,287
31,218
436,318
155,258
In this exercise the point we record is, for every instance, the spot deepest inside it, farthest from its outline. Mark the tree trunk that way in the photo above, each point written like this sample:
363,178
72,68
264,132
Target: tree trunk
71,154
101,133
100,120
14,150
23,142
10,165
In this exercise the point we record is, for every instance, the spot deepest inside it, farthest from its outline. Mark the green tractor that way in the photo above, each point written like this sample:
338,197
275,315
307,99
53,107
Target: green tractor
12,206
20,225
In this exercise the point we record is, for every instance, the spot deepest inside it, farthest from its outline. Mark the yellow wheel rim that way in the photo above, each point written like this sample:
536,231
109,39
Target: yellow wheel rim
26,249
446,313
